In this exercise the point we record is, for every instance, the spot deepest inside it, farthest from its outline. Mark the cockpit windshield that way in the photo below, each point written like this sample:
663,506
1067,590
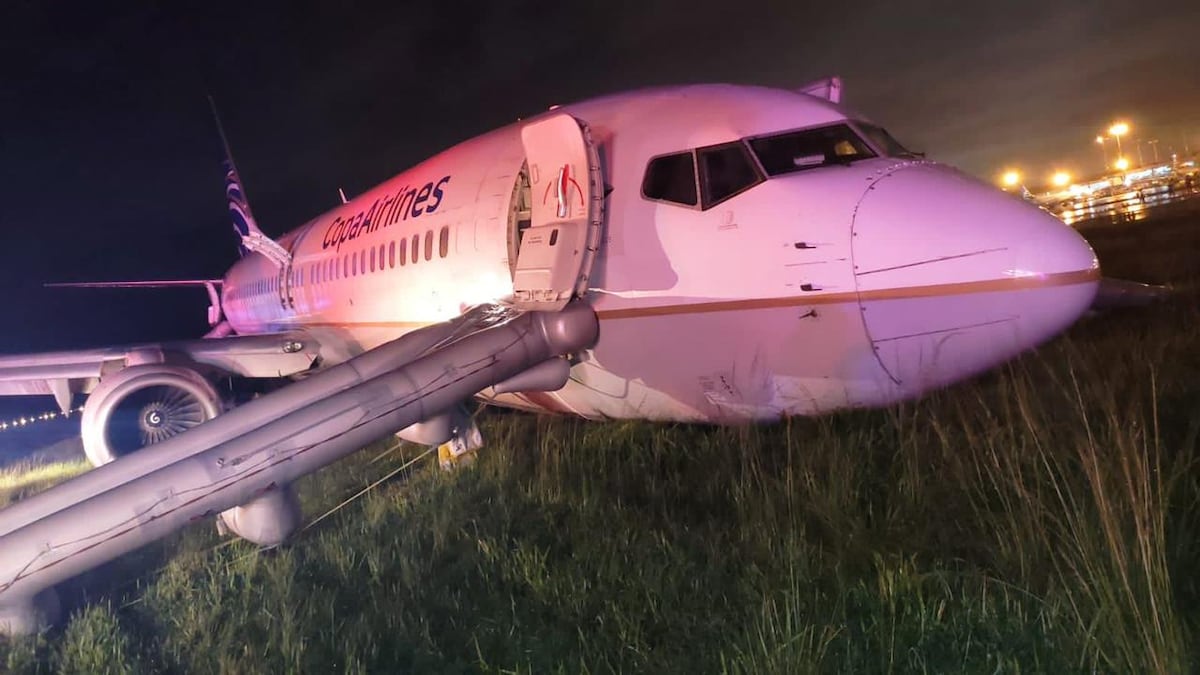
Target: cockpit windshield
809,148
882,140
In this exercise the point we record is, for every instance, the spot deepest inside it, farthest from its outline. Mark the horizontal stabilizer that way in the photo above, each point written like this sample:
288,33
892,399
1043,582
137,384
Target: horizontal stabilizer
169,283
210,285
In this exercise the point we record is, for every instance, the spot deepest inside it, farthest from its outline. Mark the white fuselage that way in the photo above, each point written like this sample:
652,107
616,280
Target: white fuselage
852,284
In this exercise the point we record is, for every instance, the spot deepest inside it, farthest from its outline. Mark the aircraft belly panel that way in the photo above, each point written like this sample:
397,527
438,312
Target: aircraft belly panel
727,366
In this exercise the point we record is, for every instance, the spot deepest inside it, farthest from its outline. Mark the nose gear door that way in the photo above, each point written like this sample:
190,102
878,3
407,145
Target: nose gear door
557,250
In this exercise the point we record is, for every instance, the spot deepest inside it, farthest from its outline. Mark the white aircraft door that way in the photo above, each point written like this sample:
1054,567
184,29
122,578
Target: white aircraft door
555,256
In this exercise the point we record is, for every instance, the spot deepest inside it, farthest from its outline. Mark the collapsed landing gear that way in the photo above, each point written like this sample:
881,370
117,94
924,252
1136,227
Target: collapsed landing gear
460,450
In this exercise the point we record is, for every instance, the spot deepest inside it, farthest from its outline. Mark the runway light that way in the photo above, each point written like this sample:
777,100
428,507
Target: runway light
1121,164
1011,178
1060,178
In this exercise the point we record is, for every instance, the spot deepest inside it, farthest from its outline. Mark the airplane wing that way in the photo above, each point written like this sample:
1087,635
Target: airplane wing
61,374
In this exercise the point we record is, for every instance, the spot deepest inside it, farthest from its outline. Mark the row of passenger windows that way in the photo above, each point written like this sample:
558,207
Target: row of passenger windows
389,255
707,176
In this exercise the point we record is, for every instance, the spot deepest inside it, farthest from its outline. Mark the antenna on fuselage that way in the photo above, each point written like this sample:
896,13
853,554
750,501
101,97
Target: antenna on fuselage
342,194
252,239
828,88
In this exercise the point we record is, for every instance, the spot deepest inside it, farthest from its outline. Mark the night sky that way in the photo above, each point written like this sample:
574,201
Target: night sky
110,159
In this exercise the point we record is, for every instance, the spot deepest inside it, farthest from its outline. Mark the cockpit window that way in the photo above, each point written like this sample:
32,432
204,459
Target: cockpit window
809,149
671,178
725,170
883,141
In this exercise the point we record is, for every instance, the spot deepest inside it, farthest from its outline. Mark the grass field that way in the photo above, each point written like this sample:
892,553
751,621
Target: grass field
26,478
1043,518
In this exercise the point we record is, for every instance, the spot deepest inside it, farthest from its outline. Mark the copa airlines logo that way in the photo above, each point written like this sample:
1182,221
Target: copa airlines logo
239,210
385,212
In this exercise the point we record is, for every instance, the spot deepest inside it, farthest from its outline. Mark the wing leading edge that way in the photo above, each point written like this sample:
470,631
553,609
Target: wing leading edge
65,373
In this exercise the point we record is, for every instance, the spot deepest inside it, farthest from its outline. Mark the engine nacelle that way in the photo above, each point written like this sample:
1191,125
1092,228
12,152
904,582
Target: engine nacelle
142,405
266,520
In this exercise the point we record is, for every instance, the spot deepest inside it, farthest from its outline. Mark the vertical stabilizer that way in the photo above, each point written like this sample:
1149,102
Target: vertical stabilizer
251,239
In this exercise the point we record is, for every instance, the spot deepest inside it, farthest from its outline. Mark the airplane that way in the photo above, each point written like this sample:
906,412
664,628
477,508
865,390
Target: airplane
707,253
751,253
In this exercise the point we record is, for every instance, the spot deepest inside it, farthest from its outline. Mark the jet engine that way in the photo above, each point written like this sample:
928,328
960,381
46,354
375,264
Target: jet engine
266,520
144,404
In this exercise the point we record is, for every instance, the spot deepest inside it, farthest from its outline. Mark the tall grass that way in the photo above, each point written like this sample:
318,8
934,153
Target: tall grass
1040,519
25,479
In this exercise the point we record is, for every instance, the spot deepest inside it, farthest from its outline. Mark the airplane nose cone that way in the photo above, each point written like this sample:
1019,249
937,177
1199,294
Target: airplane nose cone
955,276
1053,248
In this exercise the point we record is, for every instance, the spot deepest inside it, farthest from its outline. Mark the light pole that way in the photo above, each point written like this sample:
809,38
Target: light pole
1103,150
1117,130
1154,144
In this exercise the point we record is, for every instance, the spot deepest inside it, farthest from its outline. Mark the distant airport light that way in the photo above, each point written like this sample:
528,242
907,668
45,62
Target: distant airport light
1100,140
1121,164
1011,178
1060,178
31,420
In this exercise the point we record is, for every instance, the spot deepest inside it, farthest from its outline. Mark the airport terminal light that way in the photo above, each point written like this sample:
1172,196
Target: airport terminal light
1011,178
1121,164
1060,178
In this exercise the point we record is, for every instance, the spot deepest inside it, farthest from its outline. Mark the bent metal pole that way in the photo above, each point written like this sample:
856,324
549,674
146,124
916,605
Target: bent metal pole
87,532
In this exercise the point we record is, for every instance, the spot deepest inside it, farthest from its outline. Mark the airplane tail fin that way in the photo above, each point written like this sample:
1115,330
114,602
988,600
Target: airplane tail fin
251,239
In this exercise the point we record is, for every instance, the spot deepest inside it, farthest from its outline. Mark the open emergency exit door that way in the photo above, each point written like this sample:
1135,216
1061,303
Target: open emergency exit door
557,250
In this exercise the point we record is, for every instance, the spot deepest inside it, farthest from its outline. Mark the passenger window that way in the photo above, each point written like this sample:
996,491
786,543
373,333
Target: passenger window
416,247
403,251
671,178
444,242
725,170
391,254
372,258
429,244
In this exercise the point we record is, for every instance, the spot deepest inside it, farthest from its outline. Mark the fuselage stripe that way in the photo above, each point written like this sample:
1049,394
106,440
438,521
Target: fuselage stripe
983,286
